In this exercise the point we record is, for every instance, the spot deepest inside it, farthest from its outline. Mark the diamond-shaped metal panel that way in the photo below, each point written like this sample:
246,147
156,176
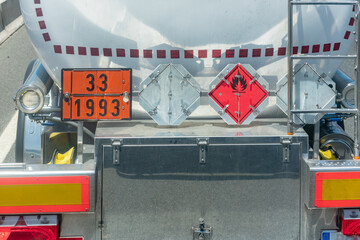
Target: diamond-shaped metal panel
170,94
238,94
311,91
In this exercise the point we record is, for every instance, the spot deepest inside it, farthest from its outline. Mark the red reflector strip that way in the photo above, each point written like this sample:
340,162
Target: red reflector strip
44,194
337,189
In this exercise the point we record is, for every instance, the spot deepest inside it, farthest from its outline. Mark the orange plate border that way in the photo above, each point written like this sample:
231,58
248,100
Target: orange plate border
320,176
83,207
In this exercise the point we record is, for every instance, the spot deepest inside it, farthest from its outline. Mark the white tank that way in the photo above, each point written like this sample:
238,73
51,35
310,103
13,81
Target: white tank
204,36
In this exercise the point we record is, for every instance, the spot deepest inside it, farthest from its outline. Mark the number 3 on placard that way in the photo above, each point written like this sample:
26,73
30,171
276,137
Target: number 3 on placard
91,81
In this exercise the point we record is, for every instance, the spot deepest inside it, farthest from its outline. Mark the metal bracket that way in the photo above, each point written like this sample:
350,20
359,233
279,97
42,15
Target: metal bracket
286,141
202,232
116,151
203,143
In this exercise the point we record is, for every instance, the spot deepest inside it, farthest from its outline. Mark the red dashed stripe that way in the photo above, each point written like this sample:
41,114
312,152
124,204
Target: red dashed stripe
351,22
46,37
147,53
316,48
327,47
82,51
175,54
256,52
42,25
282,51
347,35
202,53
70,50
189,53
295,50
230,53
120,52
94,51
269,52
57,49
134,53
107,52
161,53
216,53
39,12
305,49
243,53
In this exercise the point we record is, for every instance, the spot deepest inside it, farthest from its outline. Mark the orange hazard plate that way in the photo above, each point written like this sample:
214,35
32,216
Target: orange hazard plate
96,94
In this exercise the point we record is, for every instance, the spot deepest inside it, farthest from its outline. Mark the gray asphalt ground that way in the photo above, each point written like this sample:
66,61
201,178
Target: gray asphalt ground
15,54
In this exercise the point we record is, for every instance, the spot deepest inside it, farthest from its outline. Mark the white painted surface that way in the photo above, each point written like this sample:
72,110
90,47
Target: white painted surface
7,137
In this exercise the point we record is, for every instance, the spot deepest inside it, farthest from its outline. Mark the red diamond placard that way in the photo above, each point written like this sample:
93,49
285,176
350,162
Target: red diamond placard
238,94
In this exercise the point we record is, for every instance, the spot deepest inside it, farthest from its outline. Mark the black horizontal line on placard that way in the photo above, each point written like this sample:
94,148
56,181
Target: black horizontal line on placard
98,95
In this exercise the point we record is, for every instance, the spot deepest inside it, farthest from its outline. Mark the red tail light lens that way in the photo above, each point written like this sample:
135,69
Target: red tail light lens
29,227
350,222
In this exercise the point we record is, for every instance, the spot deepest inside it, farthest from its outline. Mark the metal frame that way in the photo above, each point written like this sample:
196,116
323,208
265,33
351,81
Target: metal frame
290,63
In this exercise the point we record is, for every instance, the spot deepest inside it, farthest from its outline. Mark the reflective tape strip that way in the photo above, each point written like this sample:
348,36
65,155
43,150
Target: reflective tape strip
44,194
337,189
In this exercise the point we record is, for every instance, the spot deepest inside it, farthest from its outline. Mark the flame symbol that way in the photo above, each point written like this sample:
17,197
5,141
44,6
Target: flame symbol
239,79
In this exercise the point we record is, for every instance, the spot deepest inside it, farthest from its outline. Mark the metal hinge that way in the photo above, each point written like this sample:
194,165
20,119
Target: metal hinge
286,141
202,231
202,143
116,151
100,225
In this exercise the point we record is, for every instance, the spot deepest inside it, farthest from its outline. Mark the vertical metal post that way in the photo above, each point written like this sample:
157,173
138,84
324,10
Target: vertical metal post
316,145
80,143
357,83
290,127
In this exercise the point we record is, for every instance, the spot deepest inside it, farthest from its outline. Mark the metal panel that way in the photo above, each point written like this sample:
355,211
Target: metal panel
170,94
311,91
78,225
159,189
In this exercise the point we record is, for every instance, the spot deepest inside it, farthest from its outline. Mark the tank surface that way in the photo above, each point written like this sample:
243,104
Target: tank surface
204,36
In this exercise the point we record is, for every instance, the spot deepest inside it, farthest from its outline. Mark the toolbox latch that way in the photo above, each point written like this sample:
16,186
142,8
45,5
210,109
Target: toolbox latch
202,143
116,151
286,142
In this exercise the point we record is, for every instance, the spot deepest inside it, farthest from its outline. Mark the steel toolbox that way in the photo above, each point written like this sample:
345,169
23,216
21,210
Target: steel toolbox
242,183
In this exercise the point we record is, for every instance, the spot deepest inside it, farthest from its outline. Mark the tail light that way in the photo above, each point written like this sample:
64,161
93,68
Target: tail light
350,222
29,227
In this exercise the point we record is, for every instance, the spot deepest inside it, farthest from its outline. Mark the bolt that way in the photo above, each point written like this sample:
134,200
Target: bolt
45,220
67,97
123,81
354,214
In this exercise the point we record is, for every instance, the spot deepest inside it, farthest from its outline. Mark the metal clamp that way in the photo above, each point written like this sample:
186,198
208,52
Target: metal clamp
202,143
286,141
202,232
116,151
